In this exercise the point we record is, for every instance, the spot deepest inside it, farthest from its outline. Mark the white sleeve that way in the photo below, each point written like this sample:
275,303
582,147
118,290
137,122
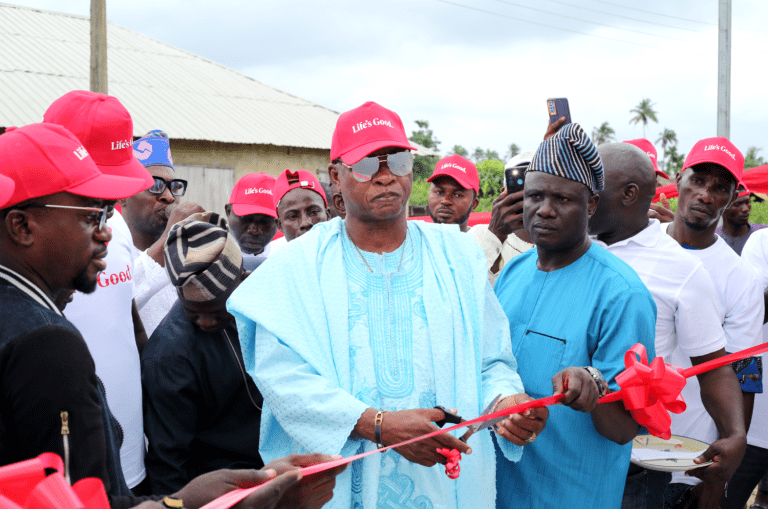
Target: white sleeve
755,253
491,247
149,278
743,323
698,322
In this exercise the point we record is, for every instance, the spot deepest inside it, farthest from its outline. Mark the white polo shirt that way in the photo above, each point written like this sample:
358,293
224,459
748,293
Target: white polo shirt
740,297
105,321
687,312
493,248
755,253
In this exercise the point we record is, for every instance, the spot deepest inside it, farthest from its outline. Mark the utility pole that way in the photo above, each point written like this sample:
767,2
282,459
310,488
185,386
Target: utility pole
99,46
724,70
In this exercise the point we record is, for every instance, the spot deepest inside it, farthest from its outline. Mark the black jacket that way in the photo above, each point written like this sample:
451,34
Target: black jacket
45,370
198,416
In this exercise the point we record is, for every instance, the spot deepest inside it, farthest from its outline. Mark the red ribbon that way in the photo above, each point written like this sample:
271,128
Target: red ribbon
25,485
651,392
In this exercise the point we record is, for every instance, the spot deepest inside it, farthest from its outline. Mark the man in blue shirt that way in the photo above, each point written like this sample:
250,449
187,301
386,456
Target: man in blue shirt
571,303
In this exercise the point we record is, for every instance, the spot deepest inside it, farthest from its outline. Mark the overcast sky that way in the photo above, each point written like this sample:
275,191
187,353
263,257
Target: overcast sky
480,71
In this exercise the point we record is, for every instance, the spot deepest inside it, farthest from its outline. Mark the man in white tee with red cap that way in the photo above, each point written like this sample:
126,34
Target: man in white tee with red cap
355,333
108,318
453,191
708,183
251,217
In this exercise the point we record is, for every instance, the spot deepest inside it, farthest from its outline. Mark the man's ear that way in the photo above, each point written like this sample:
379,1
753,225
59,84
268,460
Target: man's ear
592,204
20,226
279,224
475,203
630,194
333,174
228,209
678,178
327,214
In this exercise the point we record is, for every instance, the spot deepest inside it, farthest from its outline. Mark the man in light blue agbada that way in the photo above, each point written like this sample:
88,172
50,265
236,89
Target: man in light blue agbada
359,328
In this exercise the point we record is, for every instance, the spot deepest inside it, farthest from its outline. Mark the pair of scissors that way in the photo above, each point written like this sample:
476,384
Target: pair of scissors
474,428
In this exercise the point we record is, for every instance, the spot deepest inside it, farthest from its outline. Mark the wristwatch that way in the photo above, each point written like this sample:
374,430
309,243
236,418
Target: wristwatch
602,385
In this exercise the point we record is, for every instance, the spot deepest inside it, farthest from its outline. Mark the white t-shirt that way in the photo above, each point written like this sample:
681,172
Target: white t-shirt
155,295
687,312
105,321
250,261
493,247
755,253
740,296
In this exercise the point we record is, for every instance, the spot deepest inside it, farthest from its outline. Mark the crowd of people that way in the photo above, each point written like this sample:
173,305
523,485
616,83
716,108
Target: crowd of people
178,353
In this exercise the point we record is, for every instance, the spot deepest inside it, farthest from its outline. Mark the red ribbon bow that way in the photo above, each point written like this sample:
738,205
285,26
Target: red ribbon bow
452,467
25,485
651,392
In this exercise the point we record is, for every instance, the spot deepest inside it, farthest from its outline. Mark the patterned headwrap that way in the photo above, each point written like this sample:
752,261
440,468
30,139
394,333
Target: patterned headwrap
572,155
202,257
153,149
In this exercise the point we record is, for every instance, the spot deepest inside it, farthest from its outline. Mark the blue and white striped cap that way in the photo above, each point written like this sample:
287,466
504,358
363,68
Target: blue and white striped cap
572,155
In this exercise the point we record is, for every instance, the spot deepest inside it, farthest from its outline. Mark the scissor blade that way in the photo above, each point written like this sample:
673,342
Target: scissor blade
487,424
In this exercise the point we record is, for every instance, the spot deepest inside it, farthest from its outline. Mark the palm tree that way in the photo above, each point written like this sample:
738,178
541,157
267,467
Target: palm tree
643,113
667,138
603,134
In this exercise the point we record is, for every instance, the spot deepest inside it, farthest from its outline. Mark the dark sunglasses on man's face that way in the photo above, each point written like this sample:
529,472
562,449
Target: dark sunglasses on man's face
177,186
399,163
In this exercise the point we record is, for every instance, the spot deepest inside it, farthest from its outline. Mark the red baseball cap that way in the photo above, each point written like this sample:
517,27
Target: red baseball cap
105,127
647,147
6,189
460,169
45,159
719,151
366,129
253,194
289,180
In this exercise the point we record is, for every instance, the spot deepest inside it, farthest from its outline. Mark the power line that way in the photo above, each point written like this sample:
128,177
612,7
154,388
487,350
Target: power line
592,22
550,26
673,17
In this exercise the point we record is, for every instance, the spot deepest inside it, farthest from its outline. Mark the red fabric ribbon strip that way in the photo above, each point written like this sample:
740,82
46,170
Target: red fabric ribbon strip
26,485
452,467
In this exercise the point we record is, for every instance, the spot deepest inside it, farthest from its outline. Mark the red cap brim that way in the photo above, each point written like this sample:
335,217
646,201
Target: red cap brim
108,187
7,185
132,169
461,180
360,152
242,209
662,174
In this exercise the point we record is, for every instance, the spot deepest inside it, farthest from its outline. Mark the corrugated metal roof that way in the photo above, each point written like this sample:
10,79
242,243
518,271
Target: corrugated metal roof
46,54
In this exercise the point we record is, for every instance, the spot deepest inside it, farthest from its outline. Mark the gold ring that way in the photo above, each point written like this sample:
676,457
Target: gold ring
533,437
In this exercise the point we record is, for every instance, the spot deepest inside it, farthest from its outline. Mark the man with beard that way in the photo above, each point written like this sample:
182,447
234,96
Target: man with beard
251,217
736,228
453,191
300,203
150,215
707,184
53,239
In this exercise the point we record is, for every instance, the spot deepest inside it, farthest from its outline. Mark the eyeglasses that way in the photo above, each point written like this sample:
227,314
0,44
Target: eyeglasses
99,216
399,163
177,186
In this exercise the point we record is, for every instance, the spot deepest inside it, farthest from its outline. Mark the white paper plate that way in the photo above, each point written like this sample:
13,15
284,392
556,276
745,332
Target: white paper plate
674,455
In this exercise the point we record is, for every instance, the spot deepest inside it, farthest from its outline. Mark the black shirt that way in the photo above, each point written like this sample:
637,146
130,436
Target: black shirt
198,415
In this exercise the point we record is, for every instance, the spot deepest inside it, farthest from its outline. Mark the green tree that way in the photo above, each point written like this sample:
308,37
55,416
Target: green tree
751,159
603,134
424,165
512,151
491,173
459,151
478,155
667,140
492,154
674,161
643,113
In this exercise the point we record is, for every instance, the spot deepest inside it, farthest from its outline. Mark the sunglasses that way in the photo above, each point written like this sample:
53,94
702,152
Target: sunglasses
177,187
399,163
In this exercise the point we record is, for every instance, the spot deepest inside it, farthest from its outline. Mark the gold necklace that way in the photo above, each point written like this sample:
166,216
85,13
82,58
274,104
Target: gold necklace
363,257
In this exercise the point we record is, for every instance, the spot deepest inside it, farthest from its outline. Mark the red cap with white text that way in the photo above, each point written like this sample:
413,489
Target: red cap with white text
289,180
462,170
105,127
253,194
366,129
6,189
721,151
44,159
647,147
